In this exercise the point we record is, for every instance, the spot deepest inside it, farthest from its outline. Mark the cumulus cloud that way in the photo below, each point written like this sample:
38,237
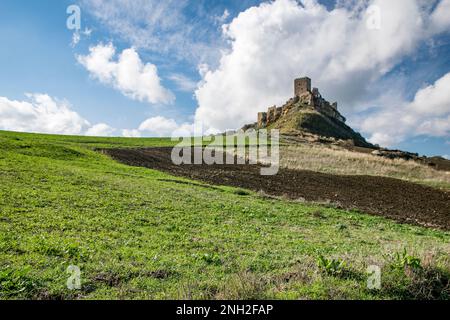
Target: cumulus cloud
427,114
440,17
100,130
131,133
128,73
158,126
275,42
164,127
41,113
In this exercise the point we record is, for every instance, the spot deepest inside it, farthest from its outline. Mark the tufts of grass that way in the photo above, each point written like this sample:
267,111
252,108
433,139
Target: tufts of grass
17,283
244,285
406,277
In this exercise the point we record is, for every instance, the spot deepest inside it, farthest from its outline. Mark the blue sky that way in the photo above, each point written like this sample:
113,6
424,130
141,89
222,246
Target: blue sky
220,62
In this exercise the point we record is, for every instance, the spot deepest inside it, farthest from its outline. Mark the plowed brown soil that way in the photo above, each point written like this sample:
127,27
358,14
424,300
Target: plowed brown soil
396,199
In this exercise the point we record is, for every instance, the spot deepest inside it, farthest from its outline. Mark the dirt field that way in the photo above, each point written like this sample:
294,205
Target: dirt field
399,200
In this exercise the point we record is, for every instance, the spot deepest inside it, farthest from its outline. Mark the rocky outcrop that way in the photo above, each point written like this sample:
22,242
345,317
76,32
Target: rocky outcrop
304,96
308,112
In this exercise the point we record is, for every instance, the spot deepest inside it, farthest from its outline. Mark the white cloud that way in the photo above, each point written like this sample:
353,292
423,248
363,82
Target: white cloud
40,113
427,114
185,130
100,130
440,18
166,27
184,83
434,99
275,42
131,133
128,73
44,114
158,126
271,44
165,127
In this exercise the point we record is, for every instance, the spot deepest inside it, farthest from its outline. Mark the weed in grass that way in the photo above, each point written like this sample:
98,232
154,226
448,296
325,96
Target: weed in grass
404,260
424,283
333,267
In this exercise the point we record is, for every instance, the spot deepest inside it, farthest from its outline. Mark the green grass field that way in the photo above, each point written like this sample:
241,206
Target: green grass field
136,233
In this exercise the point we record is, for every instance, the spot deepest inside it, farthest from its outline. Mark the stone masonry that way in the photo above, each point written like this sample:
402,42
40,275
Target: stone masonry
301,86
306,98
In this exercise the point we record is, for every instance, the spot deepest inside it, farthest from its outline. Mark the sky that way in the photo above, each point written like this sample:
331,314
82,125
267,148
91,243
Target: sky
159,68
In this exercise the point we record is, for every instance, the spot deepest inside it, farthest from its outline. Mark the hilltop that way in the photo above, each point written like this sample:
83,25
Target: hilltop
309,116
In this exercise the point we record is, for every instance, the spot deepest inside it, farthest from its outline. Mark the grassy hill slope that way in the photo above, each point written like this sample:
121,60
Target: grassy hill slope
301,118
341,161
139,233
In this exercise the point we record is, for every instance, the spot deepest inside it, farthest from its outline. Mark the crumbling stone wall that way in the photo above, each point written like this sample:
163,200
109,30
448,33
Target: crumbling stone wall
262,119
305,97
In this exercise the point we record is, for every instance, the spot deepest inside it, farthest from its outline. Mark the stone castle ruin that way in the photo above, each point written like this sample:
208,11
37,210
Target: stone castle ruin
304,96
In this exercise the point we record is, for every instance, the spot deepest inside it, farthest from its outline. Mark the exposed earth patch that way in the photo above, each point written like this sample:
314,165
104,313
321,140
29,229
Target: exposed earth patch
392,198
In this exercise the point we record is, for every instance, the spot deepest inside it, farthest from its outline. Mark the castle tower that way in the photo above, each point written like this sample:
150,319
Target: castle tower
302,85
